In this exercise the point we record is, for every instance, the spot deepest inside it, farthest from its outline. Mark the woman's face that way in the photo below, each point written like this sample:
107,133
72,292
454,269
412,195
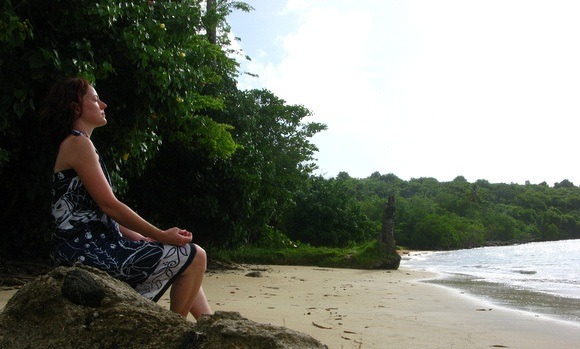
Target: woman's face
93,109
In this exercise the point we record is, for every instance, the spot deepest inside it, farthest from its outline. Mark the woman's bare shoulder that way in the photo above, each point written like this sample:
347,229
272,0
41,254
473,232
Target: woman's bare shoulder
72,151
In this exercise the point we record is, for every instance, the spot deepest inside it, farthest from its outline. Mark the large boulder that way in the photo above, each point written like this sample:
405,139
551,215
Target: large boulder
82,307
227,330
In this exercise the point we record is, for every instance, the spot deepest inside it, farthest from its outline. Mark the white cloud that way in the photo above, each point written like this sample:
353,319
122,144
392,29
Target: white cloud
484,89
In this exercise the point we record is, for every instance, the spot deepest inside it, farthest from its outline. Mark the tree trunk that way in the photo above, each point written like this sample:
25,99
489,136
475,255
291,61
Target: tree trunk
387,237
210,26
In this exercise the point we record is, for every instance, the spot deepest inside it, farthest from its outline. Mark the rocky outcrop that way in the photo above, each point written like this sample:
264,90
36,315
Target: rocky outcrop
226,330
81,307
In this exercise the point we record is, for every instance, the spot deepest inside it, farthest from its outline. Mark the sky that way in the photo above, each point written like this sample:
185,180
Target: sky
423,88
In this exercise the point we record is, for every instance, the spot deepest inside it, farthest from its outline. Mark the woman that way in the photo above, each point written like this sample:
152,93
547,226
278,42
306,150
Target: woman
86,212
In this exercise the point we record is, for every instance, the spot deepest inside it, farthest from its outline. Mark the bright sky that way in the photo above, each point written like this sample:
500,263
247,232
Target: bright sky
485,89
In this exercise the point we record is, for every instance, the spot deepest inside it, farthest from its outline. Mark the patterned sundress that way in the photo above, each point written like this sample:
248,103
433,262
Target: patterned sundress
85,234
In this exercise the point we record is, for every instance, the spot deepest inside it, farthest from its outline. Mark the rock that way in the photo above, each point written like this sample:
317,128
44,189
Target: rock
227,330
80,288
82,307
254,274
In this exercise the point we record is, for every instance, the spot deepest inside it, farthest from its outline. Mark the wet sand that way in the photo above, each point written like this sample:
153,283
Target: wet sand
345,308
508,296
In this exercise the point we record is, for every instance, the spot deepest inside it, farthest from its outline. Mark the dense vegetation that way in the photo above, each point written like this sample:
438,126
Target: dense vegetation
459,214
187,147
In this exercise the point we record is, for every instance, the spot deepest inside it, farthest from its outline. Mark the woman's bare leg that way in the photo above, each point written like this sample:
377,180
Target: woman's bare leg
200,305
185,290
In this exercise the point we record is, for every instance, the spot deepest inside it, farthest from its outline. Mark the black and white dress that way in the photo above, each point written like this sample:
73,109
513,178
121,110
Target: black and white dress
85,234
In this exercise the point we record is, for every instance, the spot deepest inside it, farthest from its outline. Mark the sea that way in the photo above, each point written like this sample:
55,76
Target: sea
542,278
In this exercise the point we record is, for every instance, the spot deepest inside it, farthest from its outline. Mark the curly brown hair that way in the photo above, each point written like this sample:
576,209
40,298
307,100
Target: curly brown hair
59,106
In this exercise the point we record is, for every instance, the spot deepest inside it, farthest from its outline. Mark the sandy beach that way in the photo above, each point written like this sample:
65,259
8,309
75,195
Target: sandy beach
346,308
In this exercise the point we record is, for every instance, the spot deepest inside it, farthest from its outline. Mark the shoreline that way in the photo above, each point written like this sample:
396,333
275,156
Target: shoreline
351,308
556,301
536,303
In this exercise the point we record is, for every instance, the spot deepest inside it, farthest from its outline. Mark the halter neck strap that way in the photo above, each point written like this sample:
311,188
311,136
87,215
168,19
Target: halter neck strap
78,133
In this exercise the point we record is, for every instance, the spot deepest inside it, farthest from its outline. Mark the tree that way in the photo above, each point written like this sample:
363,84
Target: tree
150,61
326,215
241,198
447,231
277,154
564,184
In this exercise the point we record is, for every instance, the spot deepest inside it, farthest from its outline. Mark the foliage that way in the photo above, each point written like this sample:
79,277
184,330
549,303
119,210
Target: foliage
432,214
187,148
458,214
152,63
275,158
227,202
363,256
326,214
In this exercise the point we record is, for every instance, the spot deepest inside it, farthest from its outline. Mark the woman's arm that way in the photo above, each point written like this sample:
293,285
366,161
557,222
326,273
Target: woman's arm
82,157
133,235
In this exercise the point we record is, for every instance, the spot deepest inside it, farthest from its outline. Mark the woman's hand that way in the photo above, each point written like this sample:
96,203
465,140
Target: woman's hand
175,236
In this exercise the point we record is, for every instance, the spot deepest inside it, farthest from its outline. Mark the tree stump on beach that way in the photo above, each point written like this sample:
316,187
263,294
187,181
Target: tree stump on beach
387,236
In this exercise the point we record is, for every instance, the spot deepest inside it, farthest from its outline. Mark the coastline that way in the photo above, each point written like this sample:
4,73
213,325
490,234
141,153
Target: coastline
518,277
509,297
349,308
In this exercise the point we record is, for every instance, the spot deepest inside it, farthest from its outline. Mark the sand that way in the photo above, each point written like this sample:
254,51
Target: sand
346,308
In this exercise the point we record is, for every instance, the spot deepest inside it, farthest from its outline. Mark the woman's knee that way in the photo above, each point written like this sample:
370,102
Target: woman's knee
200,259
